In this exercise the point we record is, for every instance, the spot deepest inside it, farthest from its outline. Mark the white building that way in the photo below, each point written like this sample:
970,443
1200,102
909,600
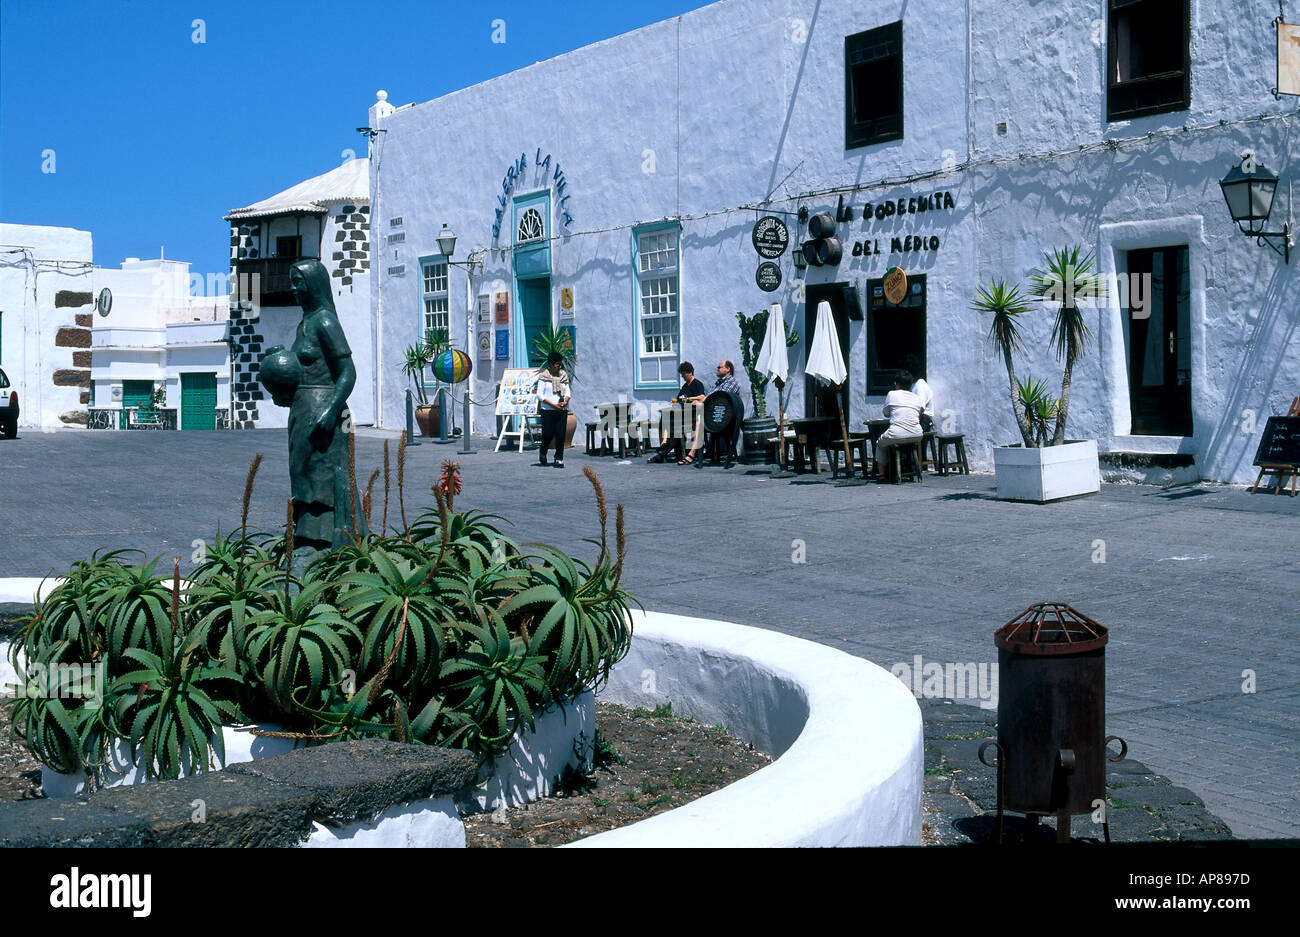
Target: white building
327,218
156,335
965,139
45,313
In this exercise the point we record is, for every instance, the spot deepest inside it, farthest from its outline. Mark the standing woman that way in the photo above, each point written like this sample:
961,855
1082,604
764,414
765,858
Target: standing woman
321,362
553,406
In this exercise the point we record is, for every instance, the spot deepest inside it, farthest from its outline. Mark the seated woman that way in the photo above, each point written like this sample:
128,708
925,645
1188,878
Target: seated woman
903,410
692,392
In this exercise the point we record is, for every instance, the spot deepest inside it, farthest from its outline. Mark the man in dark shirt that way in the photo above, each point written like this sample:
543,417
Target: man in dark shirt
692,392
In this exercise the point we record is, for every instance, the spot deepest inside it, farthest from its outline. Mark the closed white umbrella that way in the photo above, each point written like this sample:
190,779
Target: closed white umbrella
826,364
774,362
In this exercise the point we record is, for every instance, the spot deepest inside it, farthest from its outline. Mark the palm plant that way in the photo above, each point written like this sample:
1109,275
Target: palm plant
1006,304
1066,275
416,358
557,341
1039,406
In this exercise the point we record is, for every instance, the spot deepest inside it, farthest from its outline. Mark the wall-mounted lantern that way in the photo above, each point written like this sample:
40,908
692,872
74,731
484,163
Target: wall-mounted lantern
1249,189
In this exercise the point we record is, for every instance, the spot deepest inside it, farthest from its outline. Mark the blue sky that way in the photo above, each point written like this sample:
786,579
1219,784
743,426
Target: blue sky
152,136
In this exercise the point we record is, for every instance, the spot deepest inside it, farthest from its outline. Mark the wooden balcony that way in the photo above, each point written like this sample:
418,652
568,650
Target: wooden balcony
272,284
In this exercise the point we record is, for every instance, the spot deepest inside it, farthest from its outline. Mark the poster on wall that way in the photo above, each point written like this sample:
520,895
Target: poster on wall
518,396
503,345
1288,58
485,346
485,309
566,302
503,308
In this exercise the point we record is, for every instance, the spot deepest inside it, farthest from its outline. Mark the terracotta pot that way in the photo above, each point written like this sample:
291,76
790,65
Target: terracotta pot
570,429
426,417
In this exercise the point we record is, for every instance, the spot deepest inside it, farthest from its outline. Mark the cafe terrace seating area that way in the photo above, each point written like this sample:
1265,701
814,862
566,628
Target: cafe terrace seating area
808,442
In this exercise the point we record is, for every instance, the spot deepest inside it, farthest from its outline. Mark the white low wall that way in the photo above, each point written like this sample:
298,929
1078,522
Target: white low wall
846,735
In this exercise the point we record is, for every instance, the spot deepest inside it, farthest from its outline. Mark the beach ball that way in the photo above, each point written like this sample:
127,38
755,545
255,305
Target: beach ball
452,366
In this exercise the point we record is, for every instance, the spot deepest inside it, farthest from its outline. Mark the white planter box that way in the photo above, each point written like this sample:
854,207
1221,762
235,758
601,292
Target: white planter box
1047,473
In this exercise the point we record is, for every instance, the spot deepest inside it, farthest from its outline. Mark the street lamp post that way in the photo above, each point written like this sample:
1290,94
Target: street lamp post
447,246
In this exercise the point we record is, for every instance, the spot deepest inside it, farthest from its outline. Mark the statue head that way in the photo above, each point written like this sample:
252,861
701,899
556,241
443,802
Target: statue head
310,282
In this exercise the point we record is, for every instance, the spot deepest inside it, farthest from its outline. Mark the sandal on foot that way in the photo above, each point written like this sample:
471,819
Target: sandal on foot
689,460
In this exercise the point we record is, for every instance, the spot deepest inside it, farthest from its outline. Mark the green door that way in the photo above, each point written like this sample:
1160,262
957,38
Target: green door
535,311
198,401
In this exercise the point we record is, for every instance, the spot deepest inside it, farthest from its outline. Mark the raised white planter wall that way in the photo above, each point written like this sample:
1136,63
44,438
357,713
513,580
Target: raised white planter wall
845,734
1047,473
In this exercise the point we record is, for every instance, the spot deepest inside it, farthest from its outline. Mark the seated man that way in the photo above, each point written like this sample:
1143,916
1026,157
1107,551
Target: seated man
692,392
903,410
726,380
919,387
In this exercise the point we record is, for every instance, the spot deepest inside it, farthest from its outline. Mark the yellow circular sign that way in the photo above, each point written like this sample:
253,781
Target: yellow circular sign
895,285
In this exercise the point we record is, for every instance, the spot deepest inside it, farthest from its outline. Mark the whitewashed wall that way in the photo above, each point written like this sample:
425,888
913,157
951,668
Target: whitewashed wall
696,116
29,284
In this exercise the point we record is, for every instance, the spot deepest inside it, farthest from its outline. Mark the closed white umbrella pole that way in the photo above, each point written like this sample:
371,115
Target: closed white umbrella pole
826,364
774,362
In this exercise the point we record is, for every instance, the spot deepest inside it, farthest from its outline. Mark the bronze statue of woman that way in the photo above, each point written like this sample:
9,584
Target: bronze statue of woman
313,379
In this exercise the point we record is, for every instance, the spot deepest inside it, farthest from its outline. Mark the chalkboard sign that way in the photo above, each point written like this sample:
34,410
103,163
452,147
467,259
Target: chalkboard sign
1280,444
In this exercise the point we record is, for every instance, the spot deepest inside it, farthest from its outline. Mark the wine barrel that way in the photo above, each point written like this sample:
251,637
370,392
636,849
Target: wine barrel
829,251
757,430
809,249
821,225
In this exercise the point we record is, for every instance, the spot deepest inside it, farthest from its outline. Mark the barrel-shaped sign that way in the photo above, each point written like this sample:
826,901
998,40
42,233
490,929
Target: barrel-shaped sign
723,412
452,366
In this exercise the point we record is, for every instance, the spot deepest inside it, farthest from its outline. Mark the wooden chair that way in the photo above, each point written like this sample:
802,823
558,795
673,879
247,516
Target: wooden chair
859,443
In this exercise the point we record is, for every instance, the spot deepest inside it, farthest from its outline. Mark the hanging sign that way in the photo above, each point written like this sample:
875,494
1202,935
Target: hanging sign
895,285
771,237
768,276
1288,58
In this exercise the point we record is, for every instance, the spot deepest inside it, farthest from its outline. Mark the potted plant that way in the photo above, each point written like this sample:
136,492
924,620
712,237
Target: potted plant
1044,467
417,357
559,340
759,426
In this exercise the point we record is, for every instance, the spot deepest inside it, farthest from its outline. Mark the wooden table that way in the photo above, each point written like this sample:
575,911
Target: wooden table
678,419
812,433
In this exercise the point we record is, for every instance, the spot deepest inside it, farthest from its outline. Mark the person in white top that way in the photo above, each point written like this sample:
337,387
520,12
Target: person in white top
919,387
903,410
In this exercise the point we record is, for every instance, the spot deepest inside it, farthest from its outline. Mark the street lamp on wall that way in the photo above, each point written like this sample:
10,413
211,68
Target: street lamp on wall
447,247
1249,189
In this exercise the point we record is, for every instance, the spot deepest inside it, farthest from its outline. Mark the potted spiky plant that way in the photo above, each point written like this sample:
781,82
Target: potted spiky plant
416,358
1044,467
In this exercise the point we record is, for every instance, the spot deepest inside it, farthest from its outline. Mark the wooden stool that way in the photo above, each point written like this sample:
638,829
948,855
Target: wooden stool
913,450
796,448
857,447
591,439
639,436
958,443
929,445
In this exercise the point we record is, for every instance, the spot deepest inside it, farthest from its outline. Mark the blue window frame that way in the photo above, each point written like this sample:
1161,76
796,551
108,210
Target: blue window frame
656,304
434,299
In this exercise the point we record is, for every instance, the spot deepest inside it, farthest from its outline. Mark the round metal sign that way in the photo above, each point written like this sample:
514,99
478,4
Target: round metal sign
104,301
895,285
771,237
768,276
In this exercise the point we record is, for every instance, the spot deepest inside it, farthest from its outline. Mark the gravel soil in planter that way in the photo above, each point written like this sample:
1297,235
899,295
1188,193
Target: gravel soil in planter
646,763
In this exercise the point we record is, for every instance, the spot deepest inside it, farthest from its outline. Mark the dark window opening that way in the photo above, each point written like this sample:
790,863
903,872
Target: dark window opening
893,333
1149,65
288,248
873,86
1158,342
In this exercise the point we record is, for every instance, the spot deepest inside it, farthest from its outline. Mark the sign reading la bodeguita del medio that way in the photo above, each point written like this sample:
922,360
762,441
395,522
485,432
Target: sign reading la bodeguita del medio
541,168
911,205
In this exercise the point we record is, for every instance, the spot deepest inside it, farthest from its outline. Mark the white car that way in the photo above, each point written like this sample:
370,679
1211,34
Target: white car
8,408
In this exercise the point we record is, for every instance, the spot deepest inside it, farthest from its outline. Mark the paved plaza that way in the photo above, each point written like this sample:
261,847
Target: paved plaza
1200,585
